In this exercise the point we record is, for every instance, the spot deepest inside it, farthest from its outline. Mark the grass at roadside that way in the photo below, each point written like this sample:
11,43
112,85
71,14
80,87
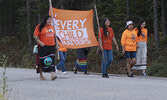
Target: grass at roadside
3,80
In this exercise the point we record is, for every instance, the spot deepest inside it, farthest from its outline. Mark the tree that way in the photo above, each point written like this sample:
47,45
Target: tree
28,22
61,4
39,14
163,13
127,9
155,5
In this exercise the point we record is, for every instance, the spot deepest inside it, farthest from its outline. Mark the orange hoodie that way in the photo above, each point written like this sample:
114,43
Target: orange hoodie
142,37
129,39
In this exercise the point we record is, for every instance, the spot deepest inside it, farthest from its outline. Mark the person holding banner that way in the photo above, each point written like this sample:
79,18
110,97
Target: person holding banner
128,41
44,35
63,55
142,47
107,36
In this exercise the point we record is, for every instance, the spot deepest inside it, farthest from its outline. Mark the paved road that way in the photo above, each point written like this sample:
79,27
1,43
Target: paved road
25,85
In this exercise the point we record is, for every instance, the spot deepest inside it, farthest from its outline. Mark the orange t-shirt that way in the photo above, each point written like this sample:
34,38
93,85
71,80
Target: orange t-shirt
62,49
129,39
47,35
142,37
107,40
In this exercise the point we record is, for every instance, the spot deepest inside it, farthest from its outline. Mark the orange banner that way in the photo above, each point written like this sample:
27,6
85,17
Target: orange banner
74,28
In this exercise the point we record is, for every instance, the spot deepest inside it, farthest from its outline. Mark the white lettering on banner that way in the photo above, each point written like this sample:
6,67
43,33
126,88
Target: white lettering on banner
69,24
76,42
75,23
72,34
63,24
82,22
57,22
73,37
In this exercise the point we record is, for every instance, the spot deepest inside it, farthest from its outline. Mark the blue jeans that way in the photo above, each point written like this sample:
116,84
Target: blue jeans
108,58
62,60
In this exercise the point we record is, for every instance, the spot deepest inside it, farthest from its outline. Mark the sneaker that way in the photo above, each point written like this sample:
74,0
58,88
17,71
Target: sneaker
64,73
57,71
144,74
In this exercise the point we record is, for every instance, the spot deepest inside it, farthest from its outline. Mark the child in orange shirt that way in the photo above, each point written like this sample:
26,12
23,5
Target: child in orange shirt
128,42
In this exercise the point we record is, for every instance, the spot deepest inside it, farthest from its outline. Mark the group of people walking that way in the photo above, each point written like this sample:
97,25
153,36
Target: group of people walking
133,41
134,46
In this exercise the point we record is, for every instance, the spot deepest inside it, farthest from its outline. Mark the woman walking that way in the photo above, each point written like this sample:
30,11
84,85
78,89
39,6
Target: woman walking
129,46
107,36
142,47
44,35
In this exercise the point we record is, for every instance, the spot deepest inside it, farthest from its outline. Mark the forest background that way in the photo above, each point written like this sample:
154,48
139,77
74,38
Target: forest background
19,18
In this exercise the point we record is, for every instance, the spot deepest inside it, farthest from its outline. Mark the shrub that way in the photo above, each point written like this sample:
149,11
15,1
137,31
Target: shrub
3,84
159,67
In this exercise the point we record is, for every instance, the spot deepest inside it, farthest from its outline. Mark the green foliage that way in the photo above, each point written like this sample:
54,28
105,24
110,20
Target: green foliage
3,84
7,39
163,41
28,61
21,23
158,69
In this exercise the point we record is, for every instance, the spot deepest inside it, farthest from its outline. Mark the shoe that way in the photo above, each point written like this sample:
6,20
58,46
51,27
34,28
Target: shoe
128,73
75,72
53,78
75,69
144,74
86,73
105,76
57,71
42,78
64,73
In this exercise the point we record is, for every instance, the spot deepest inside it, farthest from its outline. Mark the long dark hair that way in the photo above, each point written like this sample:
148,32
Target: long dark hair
43,22
139,27
104,26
